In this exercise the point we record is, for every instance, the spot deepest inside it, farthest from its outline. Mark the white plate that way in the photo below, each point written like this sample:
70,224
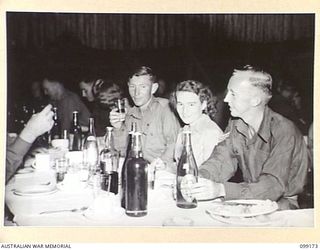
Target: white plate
242,208
91,215
25,170
35,192
257,221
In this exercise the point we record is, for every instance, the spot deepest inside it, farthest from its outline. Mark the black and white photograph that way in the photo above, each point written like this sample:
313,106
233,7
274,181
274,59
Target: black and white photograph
163,120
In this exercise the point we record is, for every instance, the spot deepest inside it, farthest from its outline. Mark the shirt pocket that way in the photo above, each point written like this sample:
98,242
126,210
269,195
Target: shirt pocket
254,161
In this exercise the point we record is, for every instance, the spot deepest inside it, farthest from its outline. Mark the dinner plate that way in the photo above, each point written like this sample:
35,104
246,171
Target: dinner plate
25,170
242,208
256,221
35,192
90,214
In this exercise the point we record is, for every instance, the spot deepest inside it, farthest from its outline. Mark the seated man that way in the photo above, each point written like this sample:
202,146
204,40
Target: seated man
16,150
153,117
267,148
66,102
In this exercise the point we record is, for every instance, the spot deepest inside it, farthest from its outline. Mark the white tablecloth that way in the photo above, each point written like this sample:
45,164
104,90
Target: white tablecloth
162,210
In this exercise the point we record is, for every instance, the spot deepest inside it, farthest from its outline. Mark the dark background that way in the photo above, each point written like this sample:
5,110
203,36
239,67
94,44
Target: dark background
178,47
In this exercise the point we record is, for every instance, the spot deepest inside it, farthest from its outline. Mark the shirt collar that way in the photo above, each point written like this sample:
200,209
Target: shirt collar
136,112
264,129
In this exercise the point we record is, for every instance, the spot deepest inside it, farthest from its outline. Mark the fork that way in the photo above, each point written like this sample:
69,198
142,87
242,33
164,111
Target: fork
74,210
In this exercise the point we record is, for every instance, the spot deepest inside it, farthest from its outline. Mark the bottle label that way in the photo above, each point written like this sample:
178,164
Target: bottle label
186,187
106,164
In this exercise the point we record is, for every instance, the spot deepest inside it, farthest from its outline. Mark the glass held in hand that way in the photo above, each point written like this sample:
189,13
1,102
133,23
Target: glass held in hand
120,105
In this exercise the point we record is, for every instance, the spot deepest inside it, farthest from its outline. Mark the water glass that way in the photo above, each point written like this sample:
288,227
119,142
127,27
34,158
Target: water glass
96,184
61,166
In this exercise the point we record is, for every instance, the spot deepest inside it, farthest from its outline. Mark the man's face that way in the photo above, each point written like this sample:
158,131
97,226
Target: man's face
50,89
86,90
141,88
239,96
189,106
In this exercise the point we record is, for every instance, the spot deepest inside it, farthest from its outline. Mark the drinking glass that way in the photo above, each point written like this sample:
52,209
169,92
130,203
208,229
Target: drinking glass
61,166
120,104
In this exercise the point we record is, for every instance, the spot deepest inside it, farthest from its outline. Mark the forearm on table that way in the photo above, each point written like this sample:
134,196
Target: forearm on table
268,187
15,153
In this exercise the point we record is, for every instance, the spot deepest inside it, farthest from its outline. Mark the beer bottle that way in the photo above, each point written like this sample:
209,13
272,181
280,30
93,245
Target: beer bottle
56,129
109,161
75,136
129,147
90,147
187,174
136,179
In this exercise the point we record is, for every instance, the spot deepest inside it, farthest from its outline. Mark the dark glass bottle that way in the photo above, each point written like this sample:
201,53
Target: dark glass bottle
109,163
136,176
187,174
129,147
91,151
75,136
56,129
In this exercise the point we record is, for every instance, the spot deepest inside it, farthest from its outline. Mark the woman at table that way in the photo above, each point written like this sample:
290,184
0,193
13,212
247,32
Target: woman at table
195,104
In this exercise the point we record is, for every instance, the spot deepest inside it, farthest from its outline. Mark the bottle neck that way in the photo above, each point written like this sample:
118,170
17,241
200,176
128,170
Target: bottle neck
136,148
75,119
55,114
109,142
187,140
91,127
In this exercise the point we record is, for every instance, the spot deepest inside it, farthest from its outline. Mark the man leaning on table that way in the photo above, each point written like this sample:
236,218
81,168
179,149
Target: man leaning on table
16,150
153,116
268,148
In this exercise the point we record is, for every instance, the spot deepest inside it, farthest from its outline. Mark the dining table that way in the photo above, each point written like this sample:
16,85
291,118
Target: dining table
68,207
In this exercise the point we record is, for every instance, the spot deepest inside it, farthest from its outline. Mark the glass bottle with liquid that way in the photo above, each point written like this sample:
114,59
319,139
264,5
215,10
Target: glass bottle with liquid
90,148
55,132
136,180
187,174
109,163
129,147
75,135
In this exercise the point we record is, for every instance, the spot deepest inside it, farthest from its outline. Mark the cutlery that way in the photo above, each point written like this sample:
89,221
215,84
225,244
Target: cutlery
66,210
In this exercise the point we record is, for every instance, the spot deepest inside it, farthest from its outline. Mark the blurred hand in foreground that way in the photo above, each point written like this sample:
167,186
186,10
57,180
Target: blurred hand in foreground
38,124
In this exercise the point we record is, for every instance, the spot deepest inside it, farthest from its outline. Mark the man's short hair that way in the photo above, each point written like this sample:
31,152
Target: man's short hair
257,78
142,71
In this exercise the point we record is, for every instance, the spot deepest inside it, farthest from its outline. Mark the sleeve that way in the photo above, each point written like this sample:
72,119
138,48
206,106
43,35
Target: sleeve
287,164
221,165
171,128
15,153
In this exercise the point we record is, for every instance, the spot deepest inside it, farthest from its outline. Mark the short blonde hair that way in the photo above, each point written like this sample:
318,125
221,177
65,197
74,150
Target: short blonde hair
257,78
